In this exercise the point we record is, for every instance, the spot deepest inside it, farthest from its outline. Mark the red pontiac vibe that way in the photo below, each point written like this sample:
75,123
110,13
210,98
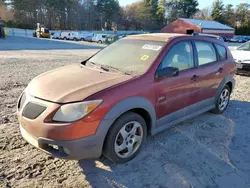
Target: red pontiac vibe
134,88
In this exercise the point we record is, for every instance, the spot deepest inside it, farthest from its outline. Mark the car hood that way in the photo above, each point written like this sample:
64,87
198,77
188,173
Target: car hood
72,83
241,56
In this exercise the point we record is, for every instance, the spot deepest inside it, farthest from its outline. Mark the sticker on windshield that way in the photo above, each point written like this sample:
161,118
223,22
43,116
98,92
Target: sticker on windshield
144,57
151,47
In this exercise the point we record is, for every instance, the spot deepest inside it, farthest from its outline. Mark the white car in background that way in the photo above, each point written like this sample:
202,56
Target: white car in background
100,38
65,35
241,55
56,35
74,35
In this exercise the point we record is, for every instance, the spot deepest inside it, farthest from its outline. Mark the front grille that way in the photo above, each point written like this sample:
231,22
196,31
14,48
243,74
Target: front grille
33,110
246,66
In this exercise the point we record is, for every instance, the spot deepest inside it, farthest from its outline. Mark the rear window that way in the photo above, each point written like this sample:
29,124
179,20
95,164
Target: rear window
206,52
221,51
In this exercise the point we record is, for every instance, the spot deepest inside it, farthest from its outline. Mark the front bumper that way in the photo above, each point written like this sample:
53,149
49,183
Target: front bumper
84,148
243,67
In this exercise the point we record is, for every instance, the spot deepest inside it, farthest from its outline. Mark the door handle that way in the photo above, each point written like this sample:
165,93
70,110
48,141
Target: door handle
220,70
195,78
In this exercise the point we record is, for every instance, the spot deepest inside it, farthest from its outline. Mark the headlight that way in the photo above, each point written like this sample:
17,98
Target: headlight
75,111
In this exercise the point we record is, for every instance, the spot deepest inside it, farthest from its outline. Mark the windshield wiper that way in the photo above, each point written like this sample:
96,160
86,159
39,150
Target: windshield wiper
108,67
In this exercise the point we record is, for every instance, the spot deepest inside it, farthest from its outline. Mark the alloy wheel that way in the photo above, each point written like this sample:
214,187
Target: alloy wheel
224,99
128,139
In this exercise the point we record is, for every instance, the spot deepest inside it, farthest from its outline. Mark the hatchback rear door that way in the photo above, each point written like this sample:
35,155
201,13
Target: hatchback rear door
212,59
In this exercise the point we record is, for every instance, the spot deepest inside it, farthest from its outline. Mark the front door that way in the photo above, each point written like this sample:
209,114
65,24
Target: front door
176,94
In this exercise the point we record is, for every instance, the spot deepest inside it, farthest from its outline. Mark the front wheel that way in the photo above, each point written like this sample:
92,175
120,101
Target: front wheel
222,101
125,138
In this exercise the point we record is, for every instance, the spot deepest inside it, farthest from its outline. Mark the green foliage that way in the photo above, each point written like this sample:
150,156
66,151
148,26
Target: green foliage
229,15
108,15
181,9
218,11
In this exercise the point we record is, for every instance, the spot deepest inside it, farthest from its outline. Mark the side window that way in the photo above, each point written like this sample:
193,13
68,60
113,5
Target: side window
103,36
206,52
179,56
221,51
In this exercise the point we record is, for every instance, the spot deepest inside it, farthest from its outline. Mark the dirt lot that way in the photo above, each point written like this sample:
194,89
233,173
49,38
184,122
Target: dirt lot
208,151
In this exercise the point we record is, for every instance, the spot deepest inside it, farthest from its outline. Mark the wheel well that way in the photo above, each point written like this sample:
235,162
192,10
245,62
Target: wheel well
230,85
145,115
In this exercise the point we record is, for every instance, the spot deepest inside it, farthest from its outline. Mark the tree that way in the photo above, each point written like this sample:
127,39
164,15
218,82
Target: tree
181,9
5,13
109,12
160,13
203,14
242,19
229,15
242,13
188,7
218,11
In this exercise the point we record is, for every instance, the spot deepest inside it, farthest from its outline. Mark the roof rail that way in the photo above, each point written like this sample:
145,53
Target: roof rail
208,35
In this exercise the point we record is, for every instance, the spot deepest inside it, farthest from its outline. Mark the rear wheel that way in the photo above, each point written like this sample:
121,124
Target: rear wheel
125,138
222,101
64,38
99,41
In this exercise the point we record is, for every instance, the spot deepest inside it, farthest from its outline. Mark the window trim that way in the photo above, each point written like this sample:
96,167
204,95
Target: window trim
205,41
181,71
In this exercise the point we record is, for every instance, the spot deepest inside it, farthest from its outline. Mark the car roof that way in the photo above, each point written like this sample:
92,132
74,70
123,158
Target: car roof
155,36
165,37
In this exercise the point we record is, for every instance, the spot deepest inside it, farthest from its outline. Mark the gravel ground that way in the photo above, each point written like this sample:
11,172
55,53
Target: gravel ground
207,151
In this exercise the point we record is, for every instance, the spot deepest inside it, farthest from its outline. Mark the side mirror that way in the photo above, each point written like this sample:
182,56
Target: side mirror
167,72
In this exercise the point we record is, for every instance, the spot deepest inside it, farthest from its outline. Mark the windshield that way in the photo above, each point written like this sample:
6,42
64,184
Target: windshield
128,56
245,47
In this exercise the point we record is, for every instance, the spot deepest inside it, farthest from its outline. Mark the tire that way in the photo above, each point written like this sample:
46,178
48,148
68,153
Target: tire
219,108
100,42
64,38
75,39
129,122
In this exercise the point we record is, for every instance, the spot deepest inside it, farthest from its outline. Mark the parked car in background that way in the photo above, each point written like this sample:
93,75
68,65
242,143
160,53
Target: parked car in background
65,35
241,39
100,38
233,39
112,38
74,35
226,38
89,38
134,88
56,35
242,58
78,36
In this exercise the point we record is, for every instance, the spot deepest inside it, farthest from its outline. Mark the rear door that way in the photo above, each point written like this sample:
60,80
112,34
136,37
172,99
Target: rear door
175,94
212,59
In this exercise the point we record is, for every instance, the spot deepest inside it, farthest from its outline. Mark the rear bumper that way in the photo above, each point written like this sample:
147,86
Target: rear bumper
84,148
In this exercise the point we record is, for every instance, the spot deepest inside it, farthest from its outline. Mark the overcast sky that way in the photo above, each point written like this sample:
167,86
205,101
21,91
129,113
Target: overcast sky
202,3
